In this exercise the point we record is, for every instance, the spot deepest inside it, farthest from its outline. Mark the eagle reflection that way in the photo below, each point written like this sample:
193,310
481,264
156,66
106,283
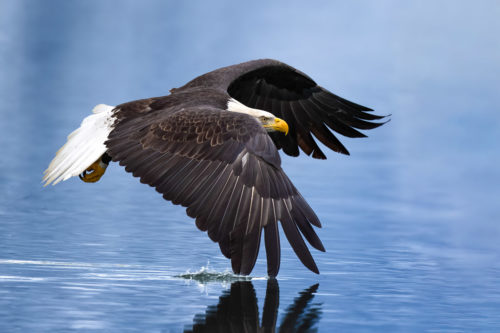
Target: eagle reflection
238,311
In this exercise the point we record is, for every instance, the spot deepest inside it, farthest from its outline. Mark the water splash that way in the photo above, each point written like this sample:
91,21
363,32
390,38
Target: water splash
206,275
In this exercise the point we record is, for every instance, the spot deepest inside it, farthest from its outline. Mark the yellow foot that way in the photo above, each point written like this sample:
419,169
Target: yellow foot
94,172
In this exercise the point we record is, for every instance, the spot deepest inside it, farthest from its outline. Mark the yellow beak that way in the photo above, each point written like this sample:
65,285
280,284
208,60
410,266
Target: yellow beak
279,125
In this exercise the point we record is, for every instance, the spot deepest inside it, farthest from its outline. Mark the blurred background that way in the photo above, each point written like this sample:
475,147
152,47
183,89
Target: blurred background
410,218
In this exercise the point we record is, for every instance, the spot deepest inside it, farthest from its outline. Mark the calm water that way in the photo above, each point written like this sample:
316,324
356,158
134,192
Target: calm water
410,219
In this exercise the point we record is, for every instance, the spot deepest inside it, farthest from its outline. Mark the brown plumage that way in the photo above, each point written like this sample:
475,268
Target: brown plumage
223,166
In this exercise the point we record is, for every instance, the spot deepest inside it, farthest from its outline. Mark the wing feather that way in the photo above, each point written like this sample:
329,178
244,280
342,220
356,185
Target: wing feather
273,248
294,238
265,84
227,174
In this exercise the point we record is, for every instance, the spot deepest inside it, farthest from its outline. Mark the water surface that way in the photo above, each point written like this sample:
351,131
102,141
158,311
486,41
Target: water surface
410,219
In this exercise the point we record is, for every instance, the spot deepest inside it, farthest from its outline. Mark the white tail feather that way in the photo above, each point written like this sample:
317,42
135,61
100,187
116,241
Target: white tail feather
84,146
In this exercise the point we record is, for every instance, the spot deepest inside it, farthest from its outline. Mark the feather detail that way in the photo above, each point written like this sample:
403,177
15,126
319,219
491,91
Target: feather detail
84,146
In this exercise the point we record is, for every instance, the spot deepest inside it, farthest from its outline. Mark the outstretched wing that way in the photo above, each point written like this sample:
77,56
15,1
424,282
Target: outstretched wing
309,109
226,170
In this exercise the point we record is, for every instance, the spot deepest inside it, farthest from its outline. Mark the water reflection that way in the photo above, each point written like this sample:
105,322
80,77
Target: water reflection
238,311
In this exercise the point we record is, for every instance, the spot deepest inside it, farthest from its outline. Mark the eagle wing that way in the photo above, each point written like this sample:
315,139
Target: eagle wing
226,170
308,109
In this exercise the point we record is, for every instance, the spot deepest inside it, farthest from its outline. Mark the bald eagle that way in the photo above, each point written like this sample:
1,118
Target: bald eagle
212,146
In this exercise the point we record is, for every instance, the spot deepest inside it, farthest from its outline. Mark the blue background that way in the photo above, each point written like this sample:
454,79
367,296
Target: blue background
411,218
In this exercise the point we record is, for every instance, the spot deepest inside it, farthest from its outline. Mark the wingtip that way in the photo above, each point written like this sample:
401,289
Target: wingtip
320,247
376,125
314,268
272,274
386,116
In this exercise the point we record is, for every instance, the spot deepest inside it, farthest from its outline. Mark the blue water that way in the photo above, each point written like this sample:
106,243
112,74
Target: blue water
410,219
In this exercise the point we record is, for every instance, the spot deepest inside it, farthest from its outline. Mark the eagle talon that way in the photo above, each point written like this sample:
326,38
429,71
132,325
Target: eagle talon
94,172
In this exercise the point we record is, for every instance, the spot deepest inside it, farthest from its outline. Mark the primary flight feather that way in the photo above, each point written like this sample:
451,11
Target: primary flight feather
212,146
